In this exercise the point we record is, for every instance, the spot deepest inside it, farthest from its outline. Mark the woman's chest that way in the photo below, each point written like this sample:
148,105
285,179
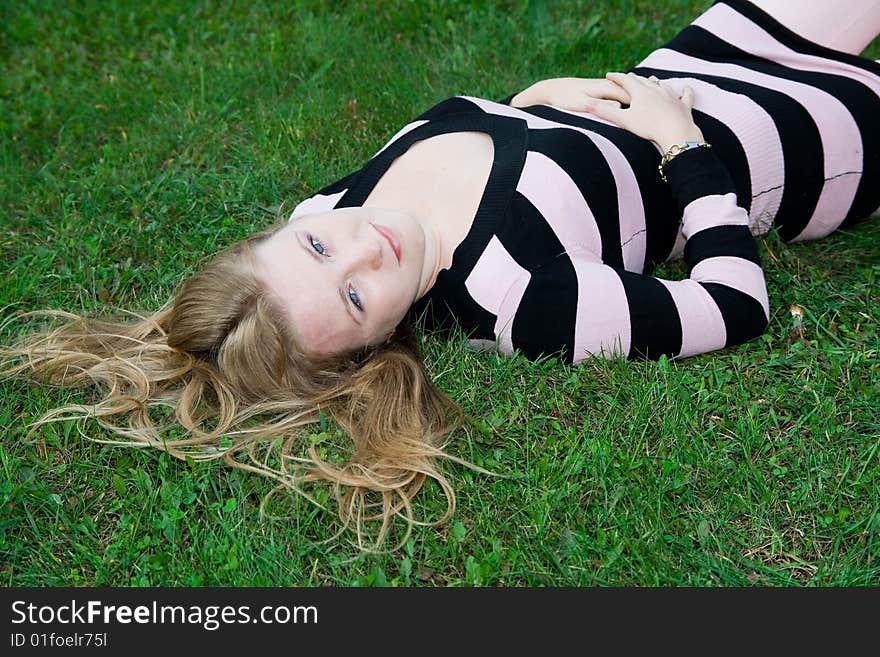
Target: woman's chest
444,175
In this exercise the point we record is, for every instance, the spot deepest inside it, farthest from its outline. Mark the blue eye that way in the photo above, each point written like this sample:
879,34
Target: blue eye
317,246
355,299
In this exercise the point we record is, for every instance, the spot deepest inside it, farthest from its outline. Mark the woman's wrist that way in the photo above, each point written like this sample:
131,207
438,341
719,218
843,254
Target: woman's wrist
677,149
682,137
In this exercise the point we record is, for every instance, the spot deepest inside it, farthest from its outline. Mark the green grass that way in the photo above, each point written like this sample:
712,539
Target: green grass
136,138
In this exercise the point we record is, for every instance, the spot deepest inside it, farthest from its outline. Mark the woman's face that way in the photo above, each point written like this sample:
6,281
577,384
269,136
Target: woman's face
345,277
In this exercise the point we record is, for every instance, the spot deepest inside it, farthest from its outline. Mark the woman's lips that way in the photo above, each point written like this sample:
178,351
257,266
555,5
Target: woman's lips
389,236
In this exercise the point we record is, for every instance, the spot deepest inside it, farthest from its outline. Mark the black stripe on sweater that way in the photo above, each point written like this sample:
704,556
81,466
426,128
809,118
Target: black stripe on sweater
545,319
734,241
655,325
529,240
579,157
695,173
743,315
454,105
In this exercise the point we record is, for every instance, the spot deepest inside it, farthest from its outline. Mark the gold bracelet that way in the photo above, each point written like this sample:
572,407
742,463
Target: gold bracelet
677,149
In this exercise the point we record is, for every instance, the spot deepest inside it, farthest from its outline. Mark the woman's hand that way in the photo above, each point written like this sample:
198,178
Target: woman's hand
573,94
655,111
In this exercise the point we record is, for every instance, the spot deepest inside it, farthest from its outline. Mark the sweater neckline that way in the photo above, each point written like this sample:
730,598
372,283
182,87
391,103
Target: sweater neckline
509,137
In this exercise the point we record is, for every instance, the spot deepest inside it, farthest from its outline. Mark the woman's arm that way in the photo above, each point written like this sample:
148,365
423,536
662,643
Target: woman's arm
571,94
722,302
654,111
580,306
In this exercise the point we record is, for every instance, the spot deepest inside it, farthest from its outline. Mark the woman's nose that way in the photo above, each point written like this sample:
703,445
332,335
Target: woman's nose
368,252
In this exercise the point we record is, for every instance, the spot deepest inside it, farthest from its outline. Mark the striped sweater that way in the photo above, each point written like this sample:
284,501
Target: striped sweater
574,215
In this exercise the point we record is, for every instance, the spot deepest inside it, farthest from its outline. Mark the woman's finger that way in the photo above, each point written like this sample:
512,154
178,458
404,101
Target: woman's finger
615,91
610,110
607,89
647,82
630,82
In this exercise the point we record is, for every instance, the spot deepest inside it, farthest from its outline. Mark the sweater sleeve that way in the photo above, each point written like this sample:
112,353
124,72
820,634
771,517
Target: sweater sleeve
722,302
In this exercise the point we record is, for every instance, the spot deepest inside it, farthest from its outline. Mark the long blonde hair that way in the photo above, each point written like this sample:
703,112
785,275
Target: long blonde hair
220,360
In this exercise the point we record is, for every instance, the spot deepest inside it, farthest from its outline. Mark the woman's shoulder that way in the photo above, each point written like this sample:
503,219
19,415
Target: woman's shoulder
455,105
456,114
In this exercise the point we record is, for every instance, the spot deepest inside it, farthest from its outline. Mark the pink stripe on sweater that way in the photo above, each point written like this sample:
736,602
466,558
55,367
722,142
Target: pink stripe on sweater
729,25
556,196
492,275
631,211
702,324
602,327
507,312
497,283
841,140
315,204
738,273
710,211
